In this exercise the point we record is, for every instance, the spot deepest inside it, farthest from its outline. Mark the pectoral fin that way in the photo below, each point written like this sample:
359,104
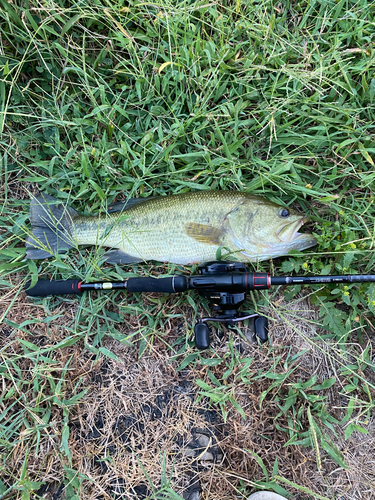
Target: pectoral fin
204,233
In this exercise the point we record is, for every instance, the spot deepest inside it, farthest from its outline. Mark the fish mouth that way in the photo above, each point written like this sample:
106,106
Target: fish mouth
288,233
289,239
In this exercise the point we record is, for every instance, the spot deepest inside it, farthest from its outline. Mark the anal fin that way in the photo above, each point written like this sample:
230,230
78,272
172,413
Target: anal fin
120,257
204,233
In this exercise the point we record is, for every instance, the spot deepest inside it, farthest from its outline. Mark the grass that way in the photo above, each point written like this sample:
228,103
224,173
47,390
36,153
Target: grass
105,100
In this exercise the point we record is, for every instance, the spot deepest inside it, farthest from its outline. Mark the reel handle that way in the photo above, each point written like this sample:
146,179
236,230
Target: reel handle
202,336
258,324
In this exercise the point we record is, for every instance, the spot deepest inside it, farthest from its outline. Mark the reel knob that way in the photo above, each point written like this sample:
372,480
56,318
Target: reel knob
202,336
261,328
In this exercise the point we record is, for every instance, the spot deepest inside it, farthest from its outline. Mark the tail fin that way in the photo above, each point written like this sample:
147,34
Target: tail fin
52,227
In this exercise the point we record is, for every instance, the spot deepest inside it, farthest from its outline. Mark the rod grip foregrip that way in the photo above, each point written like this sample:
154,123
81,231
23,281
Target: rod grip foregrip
173,284
54,287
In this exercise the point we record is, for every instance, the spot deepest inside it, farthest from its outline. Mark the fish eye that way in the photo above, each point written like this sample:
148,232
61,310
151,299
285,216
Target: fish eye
284,213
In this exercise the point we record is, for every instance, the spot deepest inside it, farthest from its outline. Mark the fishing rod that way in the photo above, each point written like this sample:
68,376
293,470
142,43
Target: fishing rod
223,283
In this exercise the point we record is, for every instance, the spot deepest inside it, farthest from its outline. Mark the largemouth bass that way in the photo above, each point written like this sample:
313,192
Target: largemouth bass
183,228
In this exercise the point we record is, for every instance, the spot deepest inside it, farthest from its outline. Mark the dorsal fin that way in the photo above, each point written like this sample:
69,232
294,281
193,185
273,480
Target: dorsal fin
130,203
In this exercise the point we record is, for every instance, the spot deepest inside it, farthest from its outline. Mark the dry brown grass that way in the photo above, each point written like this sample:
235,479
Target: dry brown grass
138,418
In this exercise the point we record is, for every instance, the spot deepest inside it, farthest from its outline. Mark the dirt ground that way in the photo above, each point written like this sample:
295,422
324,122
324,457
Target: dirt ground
140,423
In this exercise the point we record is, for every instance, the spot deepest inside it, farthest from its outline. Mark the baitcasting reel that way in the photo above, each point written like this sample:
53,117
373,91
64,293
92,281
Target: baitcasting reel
226,304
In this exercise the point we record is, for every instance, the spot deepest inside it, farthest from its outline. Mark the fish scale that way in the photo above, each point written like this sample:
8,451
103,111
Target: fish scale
154,228
184,228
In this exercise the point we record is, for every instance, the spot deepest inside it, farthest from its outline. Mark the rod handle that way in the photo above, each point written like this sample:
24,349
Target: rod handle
173,284
54,287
